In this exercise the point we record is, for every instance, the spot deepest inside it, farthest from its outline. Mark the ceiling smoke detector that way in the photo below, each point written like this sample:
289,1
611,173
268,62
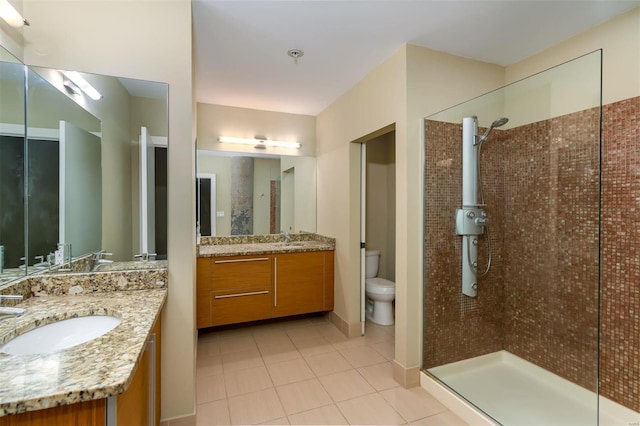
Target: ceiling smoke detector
295,54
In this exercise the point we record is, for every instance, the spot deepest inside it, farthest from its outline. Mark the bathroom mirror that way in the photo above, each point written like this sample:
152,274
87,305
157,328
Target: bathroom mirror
104,208
12,149
105,201
254,194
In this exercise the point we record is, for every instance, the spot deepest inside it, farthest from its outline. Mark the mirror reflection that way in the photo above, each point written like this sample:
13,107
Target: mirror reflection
93,168
254,194
12,150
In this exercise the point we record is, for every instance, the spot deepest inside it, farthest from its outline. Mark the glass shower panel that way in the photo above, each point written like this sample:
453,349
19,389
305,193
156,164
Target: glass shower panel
525,349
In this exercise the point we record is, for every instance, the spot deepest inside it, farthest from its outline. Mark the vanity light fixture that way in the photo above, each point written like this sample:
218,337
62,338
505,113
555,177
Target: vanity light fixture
259,143
10,15
83,84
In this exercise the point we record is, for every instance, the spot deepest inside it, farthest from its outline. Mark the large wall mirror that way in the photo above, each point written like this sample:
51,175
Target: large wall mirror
254,194
85,174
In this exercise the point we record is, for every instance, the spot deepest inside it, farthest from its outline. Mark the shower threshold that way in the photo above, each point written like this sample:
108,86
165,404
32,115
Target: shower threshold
516,392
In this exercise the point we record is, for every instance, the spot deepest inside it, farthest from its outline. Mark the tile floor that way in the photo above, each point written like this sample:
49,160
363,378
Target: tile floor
304,371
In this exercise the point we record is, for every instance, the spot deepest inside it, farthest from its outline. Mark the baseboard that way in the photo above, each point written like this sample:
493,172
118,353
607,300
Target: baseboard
407,377
180,420
349,330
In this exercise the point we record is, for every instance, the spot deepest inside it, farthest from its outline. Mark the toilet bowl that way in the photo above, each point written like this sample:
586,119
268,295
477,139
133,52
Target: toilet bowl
379,292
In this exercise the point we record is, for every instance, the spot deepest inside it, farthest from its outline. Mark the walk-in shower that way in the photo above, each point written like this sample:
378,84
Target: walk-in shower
471,219
521,342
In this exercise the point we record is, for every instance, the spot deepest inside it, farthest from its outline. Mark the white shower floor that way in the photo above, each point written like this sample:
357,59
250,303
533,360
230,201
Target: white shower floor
516,392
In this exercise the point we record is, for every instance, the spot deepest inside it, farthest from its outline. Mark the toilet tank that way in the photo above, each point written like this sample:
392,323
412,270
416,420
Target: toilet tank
371,259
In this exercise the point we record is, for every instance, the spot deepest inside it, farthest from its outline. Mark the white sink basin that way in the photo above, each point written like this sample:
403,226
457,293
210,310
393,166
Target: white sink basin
60,335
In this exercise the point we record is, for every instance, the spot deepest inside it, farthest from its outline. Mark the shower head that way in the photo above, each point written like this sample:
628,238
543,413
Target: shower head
497,123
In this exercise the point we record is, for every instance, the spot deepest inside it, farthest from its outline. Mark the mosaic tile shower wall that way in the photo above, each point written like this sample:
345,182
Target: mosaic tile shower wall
620,257
540,300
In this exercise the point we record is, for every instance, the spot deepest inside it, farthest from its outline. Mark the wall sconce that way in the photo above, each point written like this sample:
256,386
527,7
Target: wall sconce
76,79
259,143
11,15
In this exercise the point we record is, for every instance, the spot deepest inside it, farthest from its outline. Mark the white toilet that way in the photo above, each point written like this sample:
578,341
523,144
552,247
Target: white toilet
379,291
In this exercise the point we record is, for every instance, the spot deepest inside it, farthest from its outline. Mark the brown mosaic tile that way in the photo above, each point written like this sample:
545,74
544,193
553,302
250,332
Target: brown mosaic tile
540,300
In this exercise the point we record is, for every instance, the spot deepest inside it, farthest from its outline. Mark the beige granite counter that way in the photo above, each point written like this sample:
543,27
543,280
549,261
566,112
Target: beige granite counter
263,244
96,369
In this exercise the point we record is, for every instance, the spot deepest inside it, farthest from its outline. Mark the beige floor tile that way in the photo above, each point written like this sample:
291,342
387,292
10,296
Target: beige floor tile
330,333
237,343
386,349
243,359
327,363
370,409
446,418
346,385
210,388
320,347
327,415
350,343
209,366
279,352
303,396
282,421
380,376
208,347
212,413
412,404
183,421
291,371
255,407
271,337
239,382
361,356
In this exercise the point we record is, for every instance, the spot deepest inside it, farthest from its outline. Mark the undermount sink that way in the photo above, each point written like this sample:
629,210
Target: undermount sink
60,335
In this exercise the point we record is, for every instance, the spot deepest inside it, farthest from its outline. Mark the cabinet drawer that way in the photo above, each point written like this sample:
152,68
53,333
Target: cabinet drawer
230,307
240,272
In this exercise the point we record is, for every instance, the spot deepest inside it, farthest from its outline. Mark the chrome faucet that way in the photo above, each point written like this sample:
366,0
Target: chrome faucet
287,238
97,260
9,311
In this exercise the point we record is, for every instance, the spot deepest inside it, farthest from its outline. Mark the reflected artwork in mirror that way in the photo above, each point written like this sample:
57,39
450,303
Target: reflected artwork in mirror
254,194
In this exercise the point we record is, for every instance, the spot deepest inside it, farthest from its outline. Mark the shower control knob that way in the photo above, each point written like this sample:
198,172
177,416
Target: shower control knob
471,215
474,286
475,242
480,221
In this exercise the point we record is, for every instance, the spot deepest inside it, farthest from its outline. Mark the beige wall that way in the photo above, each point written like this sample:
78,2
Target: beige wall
219,120
265,170
152,42
303,172
620,40
381,202
375,102
412,83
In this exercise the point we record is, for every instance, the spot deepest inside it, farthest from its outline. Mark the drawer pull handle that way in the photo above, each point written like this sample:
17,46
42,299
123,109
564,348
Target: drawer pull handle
252,293
242,260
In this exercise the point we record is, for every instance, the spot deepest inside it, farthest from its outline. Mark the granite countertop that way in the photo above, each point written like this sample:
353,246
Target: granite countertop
262,248
96,369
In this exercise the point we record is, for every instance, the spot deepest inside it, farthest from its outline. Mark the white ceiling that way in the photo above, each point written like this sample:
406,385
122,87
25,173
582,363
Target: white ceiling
240,46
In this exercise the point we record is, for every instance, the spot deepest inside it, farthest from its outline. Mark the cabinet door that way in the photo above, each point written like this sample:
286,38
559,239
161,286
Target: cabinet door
241,289
298,285
203,292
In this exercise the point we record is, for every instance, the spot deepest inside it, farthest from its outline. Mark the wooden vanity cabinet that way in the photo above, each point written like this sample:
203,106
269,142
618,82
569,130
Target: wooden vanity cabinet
132,406
302,283
236,289
233,289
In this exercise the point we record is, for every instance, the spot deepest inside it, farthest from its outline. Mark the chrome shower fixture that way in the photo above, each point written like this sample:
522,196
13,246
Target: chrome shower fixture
497,123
